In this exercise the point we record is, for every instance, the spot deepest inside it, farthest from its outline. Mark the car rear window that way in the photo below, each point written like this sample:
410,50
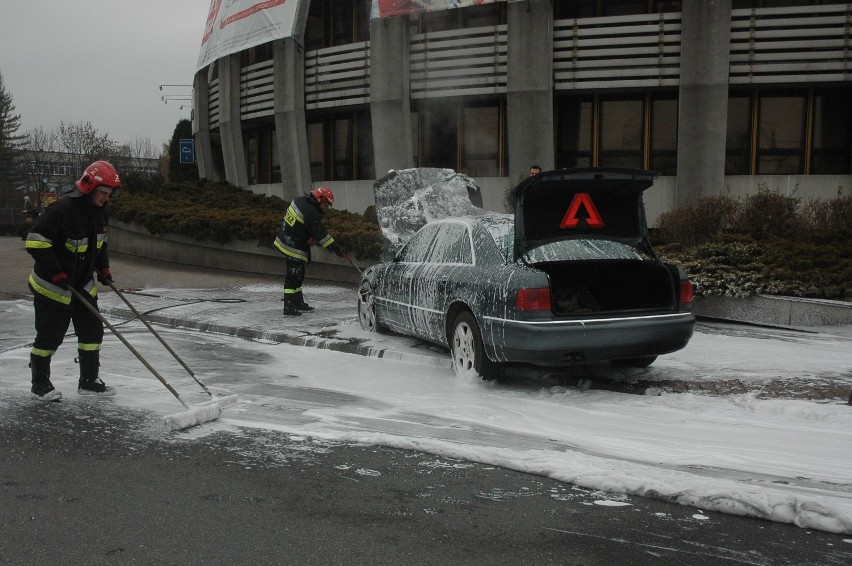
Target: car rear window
578,250
503,233
452,245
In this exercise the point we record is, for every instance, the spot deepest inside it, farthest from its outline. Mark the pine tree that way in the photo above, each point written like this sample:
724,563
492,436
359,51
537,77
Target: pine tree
10,142
180,172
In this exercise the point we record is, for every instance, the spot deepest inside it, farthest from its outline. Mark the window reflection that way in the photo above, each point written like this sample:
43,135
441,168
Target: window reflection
663,150
738,136
574,132
480,141
340,145
832,135
623,126
261,155
780,135
460,135
621,133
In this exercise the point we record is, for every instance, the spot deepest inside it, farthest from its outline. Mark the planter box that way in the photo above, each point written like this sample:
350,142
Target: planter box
248,257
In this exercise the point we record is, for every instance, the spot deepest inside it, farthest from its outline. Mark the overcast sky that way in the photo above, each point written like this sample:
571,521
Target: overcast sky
101,61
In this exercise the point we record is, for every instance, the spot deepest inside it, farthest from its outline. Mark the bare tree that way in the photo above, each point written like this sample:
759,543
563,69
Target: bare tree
38,163
84,144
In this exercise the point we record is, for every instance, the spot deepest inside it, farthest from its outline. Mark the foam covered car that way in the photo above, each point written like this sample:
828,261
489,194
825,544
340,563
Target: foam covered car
570,277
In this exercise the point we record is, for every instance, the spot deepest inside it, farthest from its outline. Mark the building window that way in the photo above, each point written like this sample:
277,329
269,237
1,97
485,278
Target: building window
480,135
463,136
751,4
620,133
256,54
340,146
261,149
738,136
598,8
636,132
316,143
575,132
789,132
439,135
662,156
491,14
337,22
780,139
832,133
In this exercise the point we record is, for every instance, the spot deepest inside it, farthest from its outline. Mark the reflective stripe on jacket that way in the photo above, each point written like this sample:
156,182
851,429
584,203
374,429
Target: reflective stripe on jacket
303,226
69,237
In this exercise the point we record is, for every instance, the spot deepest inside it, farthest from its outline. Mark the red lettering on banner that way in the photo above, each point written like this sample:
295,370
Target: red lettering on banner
243,14
571,220
211,20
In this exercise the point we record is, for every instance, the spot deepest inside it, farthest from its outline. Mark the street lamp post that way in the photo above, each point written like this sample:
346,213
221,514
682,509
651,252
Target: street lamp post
44,180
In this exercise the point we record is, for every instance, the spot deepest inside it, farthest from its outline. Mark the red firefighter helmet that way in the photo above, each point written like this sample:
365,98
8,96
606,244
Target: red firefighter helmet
97,174
323,195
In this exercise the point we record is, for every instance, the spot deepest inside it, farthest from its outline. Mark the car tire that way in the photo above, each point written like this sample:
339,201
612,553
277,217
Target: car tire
367,317
638,362
467,349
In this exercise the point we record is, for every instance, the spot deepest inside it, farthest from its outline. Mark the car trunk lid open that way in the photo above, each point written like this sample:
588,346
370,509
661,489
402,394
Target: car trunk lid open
592,207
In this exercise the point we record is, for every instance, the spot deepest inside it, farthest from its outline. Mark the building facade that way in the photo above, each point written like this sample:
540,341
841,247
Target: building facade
714,94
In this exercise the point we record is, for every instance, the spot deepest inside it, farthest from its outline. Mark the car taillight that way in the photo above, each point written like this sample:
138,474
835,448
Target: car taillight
686,291
533,299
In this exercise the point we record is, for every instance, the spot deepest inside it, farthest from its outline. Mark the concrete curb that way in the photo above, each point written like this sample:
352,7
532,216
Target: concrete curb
772,310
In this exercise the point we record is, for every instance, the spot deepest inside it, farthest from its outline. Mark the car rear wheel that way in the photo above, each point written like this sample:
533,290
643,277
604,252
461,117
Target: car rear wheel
367,309
467,349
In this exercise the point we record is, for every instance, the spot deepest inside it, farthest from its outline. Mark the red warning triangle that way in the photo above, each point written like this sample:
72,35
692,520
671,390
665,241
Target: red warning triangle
571,220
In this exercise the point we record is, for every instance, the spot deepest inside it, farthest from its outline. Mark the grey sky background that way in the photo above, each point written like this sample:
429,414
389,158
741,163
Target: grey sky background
101,61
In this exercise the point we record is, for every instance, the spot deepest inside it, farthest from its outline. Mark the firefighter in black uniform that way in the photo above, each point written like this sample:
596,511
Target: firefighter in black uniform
68,244
302,227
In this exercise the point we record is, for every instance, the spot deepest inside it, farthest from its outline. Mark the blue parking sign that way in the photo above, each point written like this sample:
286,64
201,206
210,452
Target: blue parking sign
187,151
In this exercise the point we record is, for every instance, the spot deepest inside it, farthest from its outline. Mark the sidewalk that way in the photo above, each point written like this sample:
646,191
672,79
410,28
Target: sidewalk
230,303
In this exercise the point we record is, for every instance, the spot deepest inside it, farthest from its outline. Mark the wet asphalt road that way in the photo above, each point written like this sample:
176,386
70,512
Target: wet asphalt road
94,484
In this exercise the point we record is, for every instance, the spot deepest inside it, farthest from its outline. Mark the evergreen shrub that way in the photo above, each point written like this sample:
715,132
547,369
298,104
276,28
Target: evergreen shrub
220,212
766,243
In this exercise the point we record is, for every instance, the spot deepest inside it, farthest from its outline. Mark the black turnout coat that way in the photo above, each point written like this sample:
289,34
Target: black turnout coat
69,237
302,227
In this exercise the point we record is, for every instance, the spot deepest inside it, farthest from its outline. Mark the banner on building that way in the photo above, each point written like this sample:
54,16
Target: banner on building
387,8
235,25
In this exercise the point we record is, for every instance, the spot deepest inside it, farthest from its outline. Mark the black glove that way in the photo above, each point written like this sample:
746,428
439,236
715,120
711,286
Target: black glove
104,276
340,253
60,280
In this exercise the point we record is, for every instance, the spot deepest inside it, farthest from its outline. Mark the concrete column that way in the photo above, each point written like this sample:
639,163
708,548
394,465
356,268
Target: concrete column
390,104
201,127
529,87
291,128
703,98
229,121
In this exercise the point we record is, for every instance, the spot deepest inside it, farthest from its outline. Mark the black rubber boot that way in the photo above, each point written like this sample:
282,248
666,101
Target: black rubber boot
299,301
290,308
42,389
90,383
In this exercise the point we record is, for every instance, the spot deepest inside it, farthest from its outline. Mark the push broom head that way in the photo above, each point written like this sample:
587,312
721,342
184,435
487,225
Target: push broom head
198,414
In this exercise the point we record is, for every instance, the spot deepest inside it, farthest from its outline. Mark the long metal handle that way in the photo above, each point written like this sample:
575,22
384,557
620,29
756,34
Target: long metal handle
158,337
349,259
118,335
